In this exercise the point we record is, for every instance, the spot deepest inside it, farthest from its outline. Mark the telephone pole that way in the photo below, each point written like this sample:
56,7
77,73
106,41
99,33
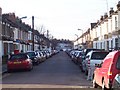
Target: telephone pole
33,33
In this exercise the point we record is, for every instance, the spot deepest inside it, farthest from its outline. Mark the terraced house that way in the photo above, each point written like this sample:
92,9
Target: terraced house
107,31
103,34
16,35
0,34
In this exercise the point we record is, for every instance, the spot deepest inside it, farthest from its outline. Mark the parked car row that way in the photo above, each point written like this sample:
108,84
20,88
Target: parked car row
87,58
100,66
27,60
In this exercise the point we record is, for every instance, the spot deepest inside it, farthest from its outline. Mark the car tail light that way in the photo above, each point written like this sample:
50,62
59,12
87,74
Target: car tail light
109,73
110,77
88,62
26,61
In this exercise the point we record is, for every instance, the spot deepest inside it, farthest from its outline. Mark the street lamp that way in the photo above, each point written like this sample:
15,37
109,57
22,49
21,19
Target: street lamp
23,17
77,39
19,25
33,32
82,34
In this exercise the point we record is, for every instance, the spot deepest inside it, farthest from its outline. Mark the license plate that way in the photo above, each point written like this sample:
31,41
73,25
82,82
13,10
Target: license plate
17,62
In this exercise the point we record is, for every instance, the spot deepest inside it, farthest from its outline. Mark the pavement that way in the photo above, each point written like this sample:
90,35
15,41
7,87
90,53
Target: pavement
4,68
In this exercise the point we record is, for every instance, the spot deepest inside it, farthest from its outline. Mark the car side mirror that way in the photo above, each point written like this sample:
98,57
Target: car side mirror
98,65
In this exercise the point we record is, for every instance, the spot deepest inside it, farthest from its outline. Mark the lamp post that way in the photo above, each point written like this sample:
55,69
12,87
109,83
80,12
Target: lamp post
107,5
33,32
82,34
19,26
23,17
77,39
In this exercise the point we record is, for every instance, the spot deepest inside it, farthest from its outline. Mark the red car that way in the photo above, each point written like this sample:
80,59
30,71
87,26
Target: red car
19,61
105,72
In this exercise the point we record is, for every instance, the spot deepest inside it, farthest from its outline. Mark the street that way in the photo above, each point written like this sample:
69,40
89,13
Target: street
56,72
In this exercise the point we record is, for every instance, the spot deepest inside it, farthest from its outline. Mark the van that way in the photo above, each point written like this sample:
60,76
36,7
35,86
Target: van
105,72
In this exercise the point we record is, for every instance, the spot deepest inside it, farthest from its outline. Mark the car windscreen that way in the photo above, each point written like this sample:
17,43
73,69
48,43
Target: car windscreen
18,57
99,55
31,54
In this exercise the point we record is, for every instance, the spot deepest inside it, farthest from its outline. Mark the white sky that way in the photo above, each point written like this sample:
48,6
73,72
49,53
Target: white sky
61,17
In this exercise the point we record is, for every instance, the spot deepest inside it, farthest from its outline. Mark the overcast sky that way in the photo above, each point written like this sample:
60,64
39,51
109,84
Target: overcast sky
61,17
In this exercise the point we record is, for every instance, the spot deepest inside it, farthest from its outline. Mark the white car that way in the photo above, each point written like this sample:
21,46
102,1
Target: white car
92,58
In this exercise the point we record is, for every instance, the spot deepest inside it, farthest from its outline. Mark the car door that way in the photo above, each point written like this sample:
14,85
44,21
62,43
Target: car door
103,71
98,75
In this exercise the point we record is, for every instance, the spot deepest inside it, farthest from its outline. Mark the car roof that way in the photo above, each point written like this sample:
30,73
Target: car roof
112,55
19,54
95,51
98,51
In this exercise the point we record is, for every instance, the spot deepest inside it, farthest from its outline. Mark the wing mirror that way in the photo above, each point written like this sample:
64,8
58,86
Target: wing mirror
98,65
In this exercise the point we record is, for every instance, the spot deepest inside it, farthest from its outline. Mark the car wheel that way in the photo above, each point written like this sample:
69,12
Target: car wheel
38,63
95,85
30,68
86,72
9,71
81,68
103,86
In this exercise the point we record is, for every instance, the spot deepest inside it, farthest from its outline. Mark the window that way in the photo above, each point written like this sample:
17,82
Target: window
31,54
18,57
118,63
116,23
116,42
99,55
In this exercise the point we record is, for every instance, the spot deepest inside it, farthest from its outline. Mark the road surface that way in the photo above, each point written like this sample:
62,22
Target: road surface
56,72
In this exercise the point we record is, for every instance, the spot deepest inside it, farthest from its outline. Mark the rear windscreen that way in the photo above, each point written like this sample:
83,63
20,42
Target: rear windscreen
99,55
18,56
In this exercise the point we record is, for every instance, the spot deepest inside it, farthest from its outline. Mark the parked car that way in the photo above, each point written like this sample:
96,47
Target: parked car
92,58
43,57
47,53
81,62
105,72
39,56
72,53
116,82
19,61
34,57
76,57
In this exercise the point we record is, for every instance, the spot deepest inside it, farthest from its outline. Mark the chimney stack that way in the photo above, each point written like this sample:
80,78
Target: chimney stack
101,19
118,5
111,11
105,15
